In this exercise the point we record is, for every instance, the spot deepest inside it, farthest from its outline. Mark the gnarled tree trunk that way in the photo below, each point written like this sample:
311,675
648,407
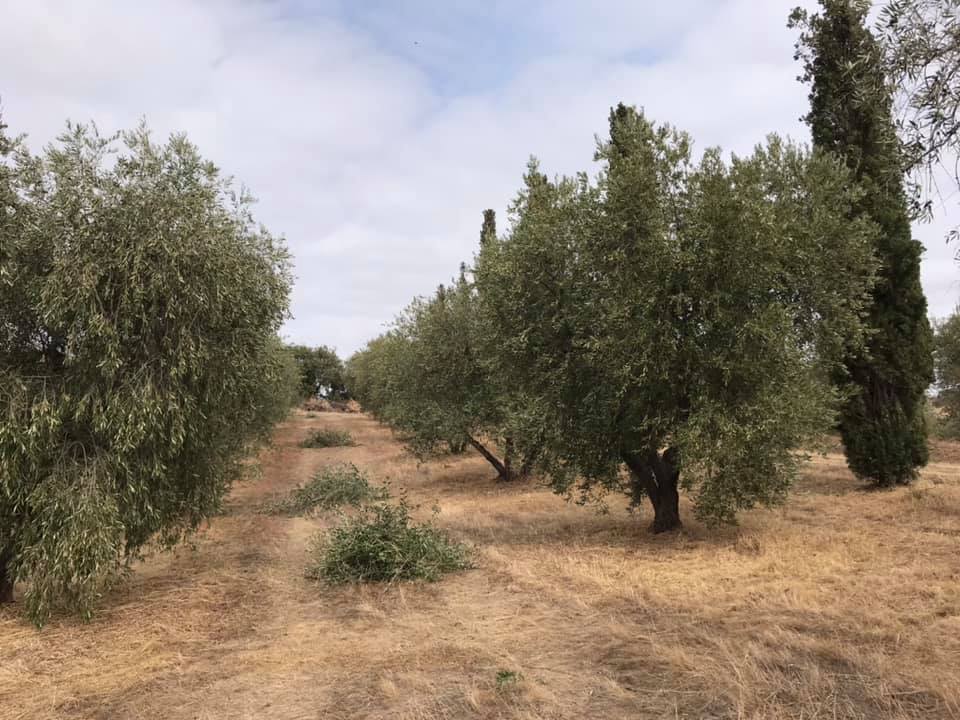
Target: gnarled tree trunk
526,468
6,576
530,457
508,459
502,470
657,475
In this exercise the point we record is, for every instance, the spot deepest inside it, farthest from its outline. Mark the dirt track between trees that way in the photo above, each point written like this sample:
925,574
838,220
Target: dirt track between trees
842,604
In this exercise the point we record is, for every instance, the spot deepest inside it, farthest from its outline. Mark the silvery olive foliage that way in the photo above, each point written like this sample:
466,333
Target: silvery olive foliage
139,359
678,316
427,377
920,40
321,372
947,364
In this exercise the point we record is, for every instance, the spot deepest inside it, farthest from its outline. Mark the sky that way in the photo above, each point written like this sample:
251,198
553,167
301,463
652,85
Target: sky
375,132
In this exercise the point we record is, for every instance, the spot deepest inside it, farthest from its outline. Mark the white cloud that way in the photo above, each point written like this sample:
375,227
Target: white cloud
350,135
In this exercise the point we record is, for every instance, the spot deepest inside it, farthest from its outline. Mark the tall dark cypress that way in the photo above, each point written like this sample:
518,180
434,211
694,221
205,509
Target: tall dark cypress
882,423
489,229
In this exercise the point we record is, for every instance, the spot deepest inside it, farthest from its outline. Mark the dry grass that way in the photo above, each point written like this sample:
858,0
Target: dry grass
843,604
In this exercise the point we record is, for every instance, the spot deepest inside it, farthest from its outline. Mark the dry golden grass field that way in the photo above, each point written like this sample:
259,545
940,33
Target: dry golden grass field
842,604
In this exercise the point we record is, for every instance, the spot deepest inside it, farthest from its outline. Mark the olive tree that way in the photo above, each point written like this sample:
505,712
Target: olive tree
321,371
947,364
677,317
919,39
430,380
139,357
370,374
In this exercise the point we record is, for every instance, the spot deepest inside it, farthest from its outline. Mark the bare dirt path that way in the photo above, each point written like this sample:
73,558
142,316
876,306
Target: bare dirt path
842,604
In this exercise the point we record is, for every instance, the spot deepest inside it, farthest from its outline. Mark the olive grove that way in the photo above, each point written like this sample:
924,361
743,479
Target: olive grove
679,318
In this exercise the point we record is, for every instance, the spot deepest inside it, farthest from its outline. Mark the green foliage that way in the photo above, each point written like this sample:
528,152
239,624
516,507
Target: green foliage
676,315
383,544
940,424
947,370
321,372
330,488
372,374
922,59
139,359
507,679
882,423
277,393
328,437
428,376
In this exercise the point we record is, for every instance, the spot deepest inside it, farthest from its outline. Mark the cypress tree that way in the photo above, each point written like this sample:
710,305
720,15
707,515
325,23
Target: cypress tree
882,422
489,229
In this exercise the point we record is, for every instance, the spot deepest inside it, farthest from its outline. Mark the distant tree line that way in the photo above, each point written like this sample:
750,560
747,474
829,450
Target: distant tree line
320,372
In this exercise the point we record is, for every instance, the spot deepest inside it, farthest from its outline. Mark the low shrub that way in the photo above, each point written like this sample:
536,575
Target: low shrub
332,487
507,679
382,544
328,437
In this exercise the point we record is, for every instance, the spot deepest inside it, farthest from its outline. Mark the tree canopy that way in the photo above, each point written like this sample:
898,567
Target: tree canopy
139,357
922,59
675,315
947,357
321,372
428,378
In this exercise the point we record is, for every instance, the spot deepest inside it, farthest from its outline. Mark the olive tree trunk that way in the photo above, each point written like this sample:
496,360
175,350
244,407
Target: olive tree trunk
526,468
530,457
503,470
6,576
657,476
508,459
